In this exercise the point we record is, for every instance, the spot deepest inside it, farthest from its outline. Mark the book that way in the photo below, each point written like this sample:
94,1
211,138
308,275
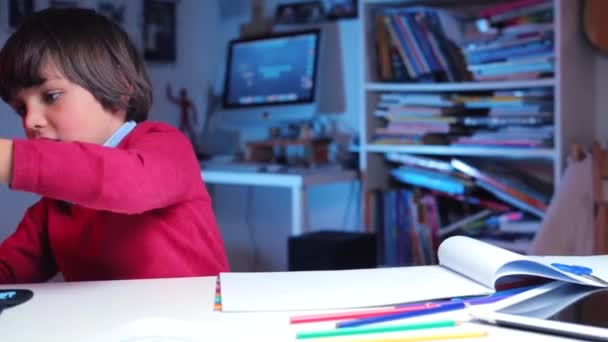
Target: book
419,161
383,48
502,8
520,227
478,271
512,191
549,300
561,309
431,180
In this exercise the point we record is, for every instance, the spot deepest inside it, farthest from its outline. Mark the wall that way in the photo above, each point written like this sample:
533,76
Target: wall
198,53
259,217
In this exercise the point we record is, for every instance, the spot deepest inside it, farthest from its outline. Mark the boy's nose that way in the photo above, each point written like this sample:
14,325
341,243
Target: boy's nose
33,120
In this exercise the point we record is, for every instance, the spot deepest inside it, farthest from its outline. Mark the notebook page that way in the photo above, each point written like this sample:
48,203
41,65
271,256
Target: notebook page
318,290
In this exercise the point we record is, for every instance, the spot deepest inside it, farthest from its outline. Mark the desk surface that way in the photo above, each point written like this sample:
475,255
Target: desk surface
182,308
294,178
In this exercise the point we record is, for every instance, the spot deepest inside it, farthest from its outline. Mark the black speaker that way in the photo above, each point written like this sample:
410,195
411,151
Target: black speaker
331,250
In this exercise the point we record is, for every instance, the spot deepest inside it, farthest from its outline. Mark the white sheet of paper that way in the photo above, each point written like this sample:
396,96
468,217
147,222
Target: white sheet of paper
319,290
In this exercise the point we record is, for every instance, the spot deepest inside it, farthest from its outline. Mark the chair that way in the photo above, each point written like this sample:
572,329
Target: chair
575,221
599,158
591,311
600,173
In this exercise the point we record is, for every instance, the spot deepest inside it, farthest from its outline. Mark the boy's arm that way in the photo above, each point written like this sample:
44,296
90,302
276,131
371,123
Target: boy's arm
156,168
25,256
6,160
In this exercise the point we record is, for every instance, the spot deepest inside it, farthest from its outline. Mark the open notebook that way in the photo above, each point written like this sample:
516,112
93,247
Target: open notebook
467,267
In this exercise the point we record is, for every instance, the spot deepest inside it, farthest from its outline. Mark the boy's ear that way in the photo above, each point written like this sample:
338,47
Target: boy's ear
127,97
121,113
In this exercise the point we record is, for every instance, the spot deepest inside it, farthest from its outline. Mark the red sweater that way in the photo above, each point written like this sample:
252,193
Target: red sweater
139,210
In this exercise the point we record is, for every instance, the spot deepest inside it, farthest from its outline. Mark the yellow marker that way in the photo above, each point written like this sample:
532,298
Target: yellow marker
428,337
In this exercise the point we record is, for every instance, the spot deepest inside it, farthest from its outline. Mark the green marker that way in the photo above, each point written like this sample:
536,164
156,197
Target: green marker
375,330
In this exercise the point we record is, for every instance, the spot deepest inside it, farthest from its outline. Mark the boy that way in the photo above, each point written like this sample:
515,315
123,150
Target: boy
122,198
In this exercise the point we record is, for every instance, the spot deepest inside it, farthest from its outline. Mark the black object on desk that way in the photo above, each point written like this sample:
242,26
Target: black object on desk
14,297
332,250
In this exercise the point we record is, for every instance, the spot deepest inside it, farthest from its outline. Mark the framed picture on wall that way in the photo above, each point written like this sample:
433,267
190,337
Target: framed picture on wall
113,10
159,31
340,9
63,4
18,10
299,13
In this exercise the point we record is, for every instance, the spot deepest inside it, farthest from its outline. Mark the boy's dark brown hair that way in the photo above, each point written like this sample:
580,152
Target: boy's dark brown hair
88,49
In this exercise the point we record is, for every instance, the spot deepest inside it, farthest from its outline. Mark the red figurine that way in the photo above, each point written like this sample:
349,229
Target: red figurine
188,115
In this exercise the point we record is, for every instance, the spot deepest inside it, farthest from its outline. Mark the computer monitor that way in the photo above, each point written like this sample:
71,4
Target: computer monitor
272,77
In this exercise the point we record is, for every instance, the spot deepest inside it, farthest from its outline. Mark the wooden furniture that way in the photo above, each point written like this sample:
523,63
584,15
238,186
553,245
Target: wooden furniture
595,23
315,150
592,311
600,173
599,160
573,102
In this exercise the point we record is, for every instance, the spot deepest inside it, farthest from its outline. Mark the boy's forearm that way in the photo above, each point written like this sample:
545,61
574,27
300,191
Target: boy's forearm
6,160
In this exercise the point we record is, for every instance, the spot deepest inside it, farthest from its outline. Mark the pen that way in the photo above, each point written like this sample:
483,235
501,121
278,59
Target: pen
389,317
498,295
429,337
581,271
334,316
374,330
358,314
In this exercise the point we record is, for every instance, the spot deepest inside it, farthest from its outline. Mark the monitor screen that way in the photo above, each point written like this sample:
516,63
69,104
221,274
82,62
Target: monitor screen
272,70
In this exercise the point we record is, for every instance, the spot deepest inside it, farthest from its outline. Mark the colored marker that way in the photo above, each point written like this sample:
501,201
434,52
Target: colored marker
358,314
443,336
390,317
376,330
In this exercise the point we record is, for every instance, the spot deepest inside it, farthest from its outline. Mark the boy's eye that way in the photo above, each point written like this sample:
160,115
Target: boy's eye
51,96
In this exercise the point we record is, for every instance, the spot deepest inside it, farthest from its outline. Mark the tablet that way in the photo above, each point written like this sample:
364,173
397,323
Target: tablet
568,310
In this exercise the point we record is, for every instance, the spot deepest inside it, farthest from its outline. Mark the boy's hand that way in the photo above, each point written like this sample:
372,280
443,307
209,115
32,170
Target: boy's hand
6,160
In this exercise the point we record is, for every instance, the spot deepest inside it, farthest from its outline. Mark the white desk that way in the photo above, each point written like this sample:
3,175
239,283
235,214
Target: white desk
296,182
94,311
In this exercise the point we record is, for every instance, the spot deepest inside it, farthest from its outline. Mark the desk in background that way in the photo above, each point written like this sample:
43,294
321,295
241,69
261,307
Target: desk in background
296,180
88,311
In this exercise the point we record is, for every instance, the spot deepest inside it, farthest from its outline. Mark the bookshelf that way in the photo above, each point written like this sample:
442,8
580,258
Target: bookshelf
572,102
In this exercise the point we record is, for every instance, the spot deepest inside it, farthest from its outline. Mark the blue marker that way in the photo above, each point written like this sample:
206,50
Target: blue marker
393,316
578,270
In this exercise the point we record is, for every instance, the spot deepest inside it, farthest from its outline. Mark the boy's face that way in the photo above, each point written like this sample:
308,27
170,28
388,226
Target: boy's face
61,110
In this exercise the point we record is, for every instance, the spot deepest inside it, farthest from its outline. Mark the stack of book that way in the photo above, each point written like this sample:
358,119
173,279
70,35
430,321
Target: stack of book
522,118
439,198
504,118
416,118
412,46
511,41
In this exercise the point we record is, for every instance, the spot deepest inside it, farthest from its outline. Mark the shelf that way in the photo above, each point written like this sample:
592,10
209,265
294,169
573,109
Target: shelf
546,153
458,86
401,2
